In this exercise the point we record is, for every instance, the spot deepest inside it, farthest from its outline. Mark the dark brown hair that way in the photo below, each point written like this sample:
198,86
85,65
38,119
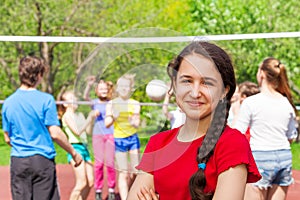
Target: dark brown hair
276,76
248,88
30,68
224,65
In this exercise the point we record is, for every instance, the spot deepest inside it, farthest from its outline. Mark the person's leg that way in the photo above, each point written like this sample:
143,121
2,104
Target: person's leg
122,166
134,156
266,164
277,192
254,193
44,181
80,180
110,161
98,147
283,176
20,178
89,173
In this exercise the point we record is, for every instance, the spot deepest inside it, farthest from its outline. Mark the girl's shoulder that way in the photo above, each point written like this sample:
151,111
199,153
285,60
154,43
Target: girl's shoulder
164,137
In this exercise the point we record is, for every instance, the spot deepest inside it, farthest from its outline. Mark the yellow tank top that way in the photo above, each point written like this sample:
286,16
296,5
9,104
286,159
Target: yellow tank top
122,127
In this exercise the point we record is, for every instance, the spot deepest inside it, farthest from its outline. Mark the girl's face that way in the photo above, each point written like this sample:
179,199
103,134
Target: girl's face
102,90
123,88
198,87
71,99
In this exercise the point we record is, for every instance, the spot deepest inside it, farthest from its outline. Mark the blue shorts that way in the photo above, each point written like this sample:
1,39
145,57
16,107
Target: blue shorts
275,167
82,150
129,143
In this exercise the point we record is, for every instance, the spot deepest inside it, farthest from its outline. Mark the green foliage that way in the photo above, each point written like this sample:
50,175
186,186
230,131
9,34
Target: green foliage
211,17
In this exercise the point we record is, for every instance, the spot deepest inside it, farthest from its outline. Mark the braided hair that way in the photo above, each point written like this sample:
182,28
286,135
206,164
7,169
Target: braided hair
224,65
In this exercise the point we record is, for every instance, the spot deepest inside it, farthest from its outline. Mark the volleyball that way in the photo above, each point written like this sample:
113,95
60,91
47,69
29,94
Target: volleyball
156,90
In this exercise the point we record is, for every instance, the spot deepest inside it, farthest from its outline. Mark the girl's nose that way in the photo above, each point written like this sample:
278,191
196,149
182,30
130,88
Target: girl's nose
195,91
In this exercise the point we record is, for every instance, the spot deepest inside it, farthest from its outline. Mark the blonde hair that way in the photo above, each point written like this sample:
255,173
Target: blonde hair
129,77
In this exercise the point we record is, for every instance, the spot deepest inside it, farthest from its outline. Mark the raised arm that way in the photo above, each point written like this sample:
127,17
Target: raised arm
166,105
90,81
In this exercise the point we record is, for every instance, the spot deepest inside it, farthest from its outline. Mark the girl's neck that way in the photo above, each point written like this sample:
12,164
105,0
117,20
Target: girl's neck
123,98
102,100
70,110
267,89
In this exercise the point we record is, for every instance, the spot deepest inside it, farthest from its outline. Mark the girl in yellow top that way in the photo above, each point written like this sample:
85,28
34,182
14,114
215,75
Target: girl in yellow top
124,113
75,126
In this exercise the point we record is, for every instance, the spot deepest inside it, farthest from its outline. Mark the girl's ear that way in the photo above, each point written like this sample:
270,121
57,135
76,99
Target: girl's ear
226,90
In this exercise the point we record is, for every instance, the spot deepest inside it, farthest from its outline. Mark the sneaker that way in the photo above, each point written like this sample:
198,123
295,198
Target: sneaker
98,195
111,196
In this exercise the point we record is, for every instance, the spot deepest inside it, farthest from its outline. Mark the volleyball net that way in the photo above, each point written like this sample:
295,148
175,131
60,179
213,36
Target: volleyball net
99,62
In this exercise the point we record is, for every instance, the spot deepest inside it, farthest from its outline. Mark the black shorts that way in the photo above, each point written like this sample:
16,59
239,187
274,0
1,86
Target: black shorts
33,177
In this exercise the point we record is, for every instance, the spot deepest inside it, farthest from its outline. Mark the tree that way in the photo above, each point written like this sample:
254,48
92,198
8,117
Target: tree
212,17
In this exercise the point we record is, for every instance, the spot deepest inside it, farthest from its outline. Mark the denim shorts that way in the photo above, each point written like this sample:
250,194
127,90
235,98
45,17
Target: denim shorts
275,168
129,143
82,150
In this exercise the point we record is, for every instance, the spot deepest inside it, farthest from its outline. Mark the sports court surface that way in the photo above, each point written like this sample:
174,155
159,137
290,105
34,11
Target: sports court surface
66,183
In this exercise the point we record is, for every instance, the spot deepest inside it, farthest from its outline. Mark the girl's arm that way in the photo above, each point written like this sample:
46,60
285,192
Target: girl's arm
231,183
109,117
90,80
134,120
142,188
69,119
165,109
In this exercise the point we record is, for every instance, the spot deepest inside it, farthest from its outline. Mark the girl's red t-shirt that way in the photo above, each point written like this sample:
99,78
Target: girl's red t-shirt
172,162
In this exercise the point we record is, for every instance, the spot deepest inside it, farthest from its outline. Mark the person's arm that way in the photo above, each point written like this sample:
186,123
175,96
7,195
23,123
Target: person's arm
90,82
134,120
6,138
165,106
142,188
231,184
61,139
243,118
109,117
89,128
71,123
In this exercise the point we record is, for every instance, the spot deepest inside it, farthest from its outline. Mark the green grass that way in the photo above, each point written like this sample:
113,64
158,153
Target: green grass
61,157
296,155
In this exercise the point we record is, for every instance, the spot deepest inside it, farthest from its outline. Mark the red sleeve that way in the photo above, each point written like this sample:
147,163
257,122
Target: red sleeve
234,149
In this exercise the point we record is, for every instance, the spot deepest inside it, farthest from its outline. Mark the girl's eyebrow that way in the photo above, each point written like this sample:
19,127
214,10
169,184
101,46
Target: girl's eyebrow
205,78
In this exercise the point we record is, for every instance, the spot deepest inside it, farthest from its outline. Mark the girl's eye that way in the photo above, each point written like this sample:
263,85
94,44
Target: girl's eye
186,81
206,83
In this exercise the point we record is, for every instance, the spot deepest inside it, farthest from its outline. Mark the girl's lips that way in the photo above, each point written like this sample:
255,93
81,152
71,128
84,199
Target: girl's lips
194,103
